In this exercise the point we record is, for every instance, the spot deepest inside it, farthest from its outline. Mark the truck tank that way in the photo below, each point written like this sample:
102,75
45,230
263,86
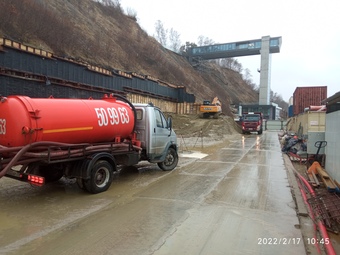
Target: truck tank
24,120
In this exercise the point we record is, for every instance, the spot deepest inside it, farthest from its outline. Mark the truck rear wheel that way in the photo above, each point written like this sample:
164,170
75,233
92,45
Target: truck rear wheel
171,160
100,177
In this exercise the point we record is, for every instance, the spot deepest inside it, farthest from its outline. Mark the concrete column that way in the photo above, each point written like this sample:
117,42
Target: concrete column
264,96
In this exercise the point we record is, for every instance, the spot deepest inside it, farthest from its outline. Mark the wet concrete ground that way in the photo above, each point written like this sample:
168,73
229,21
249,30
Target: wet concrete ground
236,200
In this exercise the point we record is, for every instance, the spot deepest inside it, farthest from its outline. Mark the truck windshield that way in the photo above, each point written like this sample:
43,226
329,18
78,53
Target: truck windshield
251,117
160,119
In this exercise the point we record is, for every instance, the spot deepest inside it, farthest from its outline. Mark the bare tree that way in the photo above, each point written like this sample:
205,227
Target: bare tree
203,40
131,13
277,98
164,35
174,38
161,33
248,78
114,3
227,62
187,45
232,64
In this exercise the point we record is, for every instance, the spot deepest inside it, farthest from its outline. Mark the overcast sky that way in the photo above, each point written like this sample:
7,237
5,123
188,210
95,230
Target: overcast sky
310,50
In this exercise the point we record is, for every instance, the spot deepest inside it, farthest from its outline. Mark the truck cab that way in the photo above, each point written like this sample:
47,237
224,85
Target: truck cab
252,122
158,139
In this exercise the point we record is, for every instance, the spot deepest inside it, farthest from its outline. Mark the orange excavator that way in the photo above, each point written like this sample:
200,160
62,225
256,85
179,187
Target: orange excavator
208,109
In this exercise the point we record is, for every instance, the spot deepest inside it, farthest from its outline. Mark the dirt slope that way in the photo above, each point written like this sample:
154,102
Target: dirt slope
102,35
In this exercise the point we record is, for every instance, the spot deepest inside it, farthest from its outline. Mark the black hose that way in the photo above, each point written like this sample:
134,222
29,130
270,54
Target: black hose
124,99
25,148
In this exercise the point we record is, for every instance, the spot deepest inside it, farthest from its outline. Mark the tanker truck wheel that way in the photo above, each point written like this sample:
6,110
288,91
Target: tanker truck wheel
170,162
100,178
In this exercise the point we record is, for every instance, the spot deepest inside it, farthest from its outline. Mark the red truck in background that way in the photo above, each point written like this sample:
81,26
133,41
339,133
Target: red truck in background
252,122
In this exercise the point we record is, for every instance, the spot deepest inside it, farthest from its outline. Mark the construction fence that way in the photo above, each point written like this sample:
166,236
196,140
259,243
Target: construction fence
33,72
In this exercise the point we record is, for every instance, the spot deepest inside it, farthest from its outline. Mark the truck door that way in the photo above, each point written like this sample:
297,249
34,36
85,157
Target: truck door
141,127
161,133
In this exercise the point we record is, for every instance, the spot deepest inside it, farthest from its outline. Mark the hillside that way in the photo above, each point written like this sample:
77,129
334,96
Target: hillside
103,35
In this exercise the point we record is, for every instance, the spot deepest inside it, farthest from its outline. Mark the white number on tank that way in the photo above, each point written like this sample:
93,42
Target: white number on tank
124,115
2,126
102,117
112,116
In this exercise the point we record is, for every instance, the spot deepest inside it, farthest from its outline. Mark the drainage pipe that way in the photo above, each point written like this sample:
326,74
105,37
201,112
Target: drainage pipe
323,231
311,214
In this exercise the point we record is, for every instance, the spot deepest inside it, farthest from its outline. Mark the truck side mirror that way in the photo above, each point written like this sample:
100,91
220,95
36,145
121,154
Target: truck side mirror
169,122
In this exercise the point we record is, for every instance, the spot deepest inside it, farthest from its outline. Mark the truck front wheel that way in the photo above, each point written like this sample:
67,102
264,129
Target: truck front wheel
171,160
100,178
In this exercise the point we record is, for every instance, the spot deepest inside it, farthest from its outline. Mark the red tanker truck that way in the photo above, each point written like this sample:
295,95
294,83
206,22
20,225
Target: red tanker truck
44,139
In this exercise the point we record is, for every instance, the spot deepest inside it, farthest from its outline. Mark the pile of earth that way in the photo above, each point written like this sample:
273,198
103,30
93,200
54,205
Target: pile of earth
195,133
